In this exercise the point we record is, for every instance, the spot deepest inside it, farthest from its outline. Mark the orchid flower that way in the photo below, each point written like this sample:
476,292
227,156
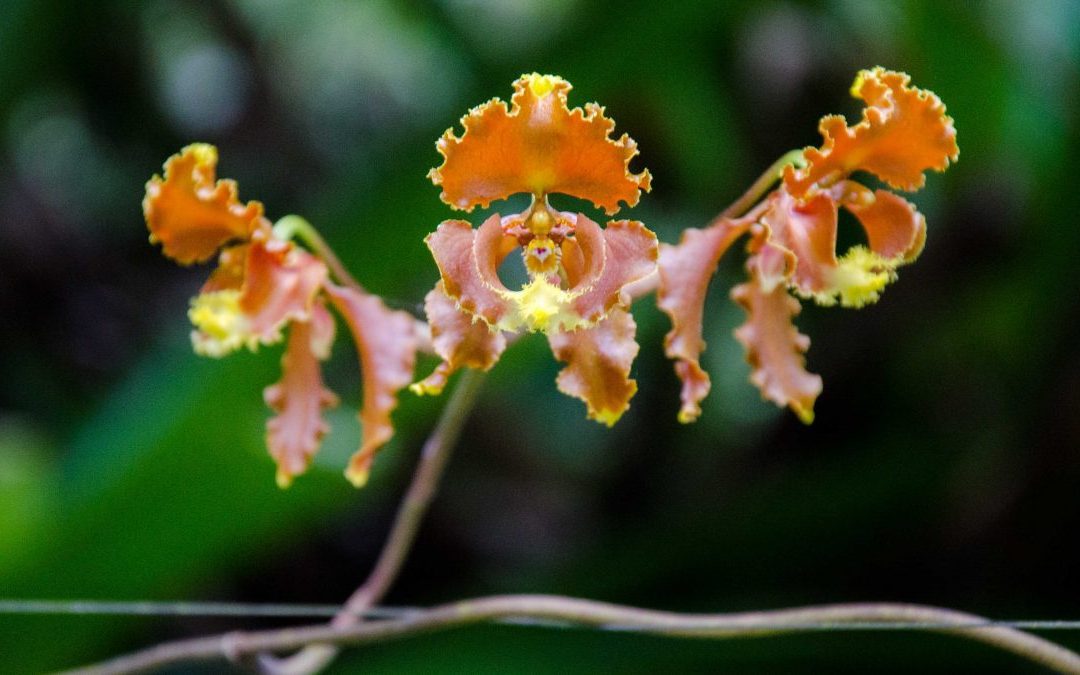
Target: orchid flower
904,132
264,284
577,270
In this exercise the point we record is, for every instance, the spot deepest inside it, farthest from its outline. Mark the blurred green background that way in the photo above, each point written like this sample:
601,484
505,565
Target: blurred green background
942,467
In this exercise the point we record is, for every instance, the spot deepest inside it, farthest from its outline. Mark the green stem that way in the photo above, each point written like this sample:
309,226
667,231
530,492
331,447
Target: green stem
425,482
856,616
293,226
763,183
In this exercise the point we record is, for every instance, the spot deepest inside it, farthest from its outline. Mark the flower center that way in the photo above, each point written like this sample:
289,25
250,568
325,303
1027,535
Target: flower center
221,326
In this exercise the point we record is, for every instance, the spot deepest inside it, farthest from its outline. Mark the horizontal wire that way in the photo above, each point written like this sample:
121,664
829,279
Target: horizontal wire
155,608
312,611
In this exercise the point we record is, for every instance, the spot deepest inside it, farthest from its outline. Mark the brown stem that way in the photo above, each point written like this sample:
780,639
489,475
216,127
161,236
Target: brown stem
433,459
861,616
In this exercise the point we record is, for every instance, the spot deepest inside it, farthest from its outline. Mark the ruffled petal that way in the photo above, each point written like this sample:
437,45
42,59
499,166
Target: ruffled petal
279,285
807,228
469,261
459,339
621,253
685,271
598,365
772,264
537,146
386,344
904,132
893,227
190,213
299,398
774,348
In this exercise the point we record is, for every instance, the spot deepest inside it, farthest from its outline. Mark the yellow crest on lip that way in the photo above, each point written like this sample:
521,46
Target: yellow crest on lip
220,326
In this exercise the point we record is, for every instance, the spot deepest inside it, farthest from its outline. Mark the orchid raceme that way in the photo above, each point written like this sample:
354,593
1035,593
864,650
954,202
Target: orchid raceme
903,132
577,270
581,277
265,284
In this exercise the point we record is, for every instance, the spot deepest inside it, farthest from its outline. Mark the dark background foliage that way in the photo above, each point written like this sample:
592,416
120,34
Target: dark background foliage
942,467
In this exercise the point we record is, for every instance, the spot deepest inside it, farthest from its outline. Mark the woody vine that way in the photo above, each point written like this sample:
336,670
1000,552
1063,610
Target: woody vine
280,281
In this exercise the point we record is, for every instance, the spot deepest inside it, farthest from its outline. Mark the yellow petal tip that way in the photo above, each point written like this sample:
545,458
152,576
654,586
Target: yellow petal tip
423,388
805,415
607,417
688,416
358,478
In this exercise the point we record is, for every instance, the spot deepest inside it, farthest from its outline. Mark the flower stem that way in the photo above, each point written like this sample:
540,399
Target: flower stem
855,616
739,208
293,226
433,460
762,184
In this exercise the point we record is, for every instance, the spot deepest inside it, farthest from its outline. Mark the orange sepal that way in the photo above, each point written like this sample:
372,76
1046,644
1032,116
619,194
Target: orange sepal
459,339
299,398
609,259
598,365
685,271
191,213
904,132
774,348
537,146
469,261
386,344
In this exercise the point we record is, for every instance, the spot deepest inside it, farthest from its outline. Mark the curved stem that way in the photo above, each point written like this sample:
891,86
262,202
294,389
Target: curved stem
864,616
762,184
296,226
433,459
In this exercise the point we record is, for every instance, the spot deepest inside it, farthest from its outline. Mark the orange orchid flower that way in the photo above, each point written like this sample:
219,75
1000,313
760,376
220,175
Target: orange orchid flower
904,132
263,284
577,270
